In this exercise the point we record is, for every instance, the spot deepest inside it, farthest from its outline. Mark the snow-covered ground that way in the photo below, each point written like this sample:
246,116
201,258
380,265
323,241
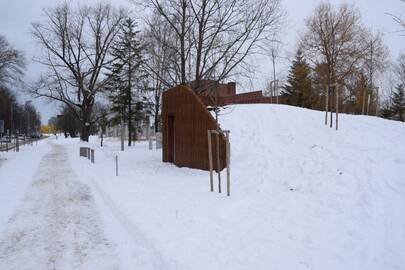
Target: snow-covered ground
16,172
303,197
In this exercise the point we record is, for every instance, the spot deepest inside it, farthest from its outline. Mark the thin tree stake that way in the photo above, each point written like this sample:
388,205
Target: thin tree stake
210,160
218,164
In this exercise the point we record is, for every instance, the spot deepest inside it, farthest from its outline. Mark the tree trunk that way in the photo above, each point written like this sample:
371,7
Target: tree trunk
326,105
337,108
84,132
200,45
85,121
129,94
183,58
156,120
102,138
129,120
330,106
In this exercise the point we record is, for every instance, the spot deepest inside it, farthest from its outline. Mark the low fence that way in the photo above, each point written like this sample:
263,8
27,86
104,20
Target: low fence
16,143
87,153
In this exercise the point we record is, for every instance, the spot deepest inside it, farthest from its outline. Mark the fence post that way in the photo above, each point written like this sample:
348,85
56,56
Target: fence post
88,153
116,165
17,144
92,155
210,160
83,152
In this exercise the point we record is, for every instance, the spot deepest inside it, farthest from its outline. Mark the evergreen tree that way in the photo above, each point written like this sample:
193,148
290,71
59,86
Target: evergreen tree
385,111
124,76
398,103
299,85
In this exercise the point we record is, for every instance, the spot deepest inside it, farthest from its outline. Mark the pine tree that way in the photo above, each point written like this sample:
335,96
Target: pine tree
385,111
398,103
298,89
125,74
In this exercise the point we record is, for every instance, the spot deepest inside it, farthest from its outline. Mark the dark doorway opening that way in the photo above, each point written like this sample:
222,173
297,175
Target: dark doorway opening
170,138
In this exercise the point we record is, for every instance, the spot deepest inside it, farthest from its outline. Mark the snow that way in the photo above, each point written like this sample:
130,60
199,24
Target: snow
57,222
16,171
303,196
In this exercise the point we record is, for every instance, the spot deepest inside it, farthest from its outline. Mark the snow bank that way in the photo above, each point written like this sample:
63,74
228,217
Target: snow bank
16,173
303,196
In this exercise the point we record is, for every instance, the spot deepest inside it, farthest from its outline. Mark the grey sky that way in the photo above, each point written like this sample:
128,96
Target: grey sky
16,16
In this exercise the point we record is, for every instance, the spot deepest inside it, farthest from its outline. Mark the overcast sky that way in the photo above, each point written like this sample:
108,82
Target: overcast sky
17,15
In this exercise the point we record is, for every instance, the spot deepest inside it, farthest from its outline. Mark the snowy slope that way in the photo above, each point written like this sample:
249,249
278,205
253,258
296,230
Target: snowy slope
303,196
339,196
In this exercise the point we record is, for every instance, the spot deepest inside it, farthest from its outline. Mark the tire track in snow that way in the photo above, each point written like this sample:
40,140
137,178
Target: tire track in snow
57,225
147,256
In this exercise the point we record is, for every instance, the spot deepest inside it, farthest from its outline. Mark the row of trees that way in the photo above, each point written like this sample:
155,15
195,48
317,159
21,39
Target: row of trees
394,107
336,64
22,118
96,51
18,118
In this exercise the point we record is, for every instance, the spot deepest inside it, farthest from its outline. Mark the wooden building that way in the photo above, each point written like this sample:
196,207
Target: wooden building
186,121
185,125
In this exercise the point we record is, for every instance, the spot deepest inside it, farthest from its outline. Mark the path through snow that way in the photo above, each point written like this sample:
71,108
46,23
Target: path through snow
57,226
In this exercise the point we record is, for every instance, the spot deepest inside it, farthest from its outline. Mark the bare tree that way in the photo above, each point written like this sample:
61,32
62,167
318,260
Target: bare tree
75,44
336,38
159,62
12,63
214,37
398,20
400,69
374,63
212,40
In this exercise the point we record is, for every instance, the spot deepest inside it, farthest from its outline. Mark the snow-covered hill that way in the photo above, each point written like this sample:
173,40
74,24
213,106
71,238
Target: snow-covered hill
325,199
303,196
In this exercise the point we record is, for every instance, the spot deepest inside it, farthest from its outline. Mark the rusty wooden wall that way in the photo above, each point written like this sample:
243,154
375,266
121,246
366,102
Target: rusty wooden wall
191,123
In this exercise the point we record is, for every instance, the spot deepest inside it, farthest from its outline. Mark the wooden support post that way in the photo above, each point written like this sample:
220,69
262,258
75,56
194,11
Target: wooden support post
210,160
228,173
92,155
218,164
116,165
